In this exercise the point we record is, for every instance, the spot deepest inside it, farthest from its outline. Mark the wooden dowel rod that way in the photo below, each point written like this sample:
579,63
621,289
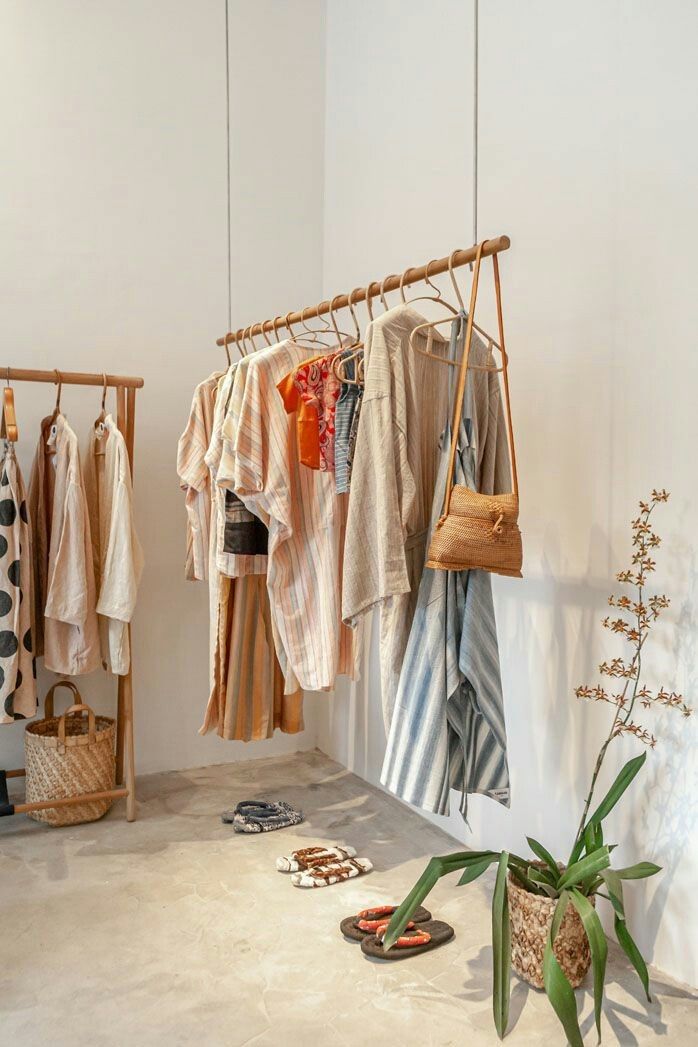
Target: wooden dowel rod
16,774
413,275
70,801
21,374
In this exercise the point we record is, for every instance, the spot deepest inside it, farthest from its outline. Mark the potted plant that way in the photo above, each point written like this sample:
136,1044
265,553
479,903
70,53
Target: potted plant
544,919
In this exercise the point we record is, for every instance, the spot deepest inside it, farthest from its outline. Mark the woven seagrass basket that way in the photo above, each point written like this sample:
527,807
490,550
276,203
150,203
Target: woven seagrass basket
66,756
531,916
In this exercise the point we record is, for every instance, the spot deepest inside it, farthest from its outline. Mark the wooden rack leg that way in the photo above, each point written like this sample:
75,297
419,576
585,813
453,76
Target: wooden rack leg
129,743
120,733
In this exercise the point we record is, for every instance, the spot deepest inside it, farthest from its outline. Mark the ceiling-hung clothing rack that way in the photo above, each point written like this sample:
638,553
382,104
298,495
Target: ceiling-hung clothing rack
374,289
125,386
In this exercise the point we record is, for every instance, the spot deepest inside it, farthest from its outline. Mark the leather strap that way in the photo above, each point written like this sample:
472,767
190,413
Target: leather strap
48,701
463,375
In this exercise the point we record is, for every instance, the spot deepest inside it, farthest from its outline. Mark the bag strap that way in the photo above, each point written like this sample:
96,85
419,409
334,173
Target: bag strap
505,375
463,375
48,700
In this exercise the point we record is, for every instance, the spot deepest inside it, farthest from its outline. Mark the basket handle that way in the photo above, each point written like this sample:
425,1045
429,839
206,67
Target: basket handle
91,732
48,700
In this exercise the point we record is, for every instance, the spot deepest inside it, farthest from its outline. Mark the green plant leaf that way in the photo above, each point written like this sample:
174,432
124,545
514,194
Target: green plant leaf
542,879
436,868
615,890
639,871
558,989
623,780
599,949
545,856
586,867
593,837
477,868
501,948
522,878
633,953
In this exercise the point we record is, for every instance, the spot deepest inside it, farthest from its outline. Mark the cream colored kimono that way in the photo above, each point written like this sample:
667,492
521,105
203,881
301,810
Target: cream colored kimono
116,550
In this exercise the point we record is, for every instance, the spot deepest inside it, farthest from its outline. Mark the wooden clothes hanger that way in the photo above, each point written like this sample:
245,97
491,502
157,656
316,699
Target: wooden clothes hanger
8,423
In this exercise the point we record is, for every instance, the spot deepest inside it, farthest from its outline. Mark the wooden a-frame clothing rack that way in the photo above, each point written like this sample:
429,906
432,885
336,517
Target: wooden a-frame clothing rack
125,751
413,275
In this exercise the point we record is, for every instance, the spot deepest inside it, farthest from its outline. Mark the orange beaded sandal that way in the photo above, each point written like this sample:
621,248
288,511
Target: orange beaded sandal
369,920
421,938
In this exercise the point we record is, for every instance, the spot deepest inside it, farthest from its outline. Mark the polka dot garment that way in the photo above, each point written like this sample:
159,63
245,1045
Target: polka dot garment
17,666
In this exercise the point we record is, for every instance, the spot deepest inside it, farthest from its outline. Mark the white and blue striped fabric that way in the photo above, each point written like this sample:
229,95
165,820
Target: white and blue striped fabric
447,730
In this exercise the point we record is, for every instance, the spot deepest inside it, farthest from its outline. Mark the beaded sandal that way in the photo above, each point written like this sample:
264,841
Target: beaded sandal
326,875
259,816
422,938
310,856
369,920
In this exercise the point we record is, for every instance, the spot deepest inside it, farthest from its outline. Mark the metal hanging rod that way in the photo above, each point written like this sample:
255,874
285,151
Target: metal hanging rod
20,374
391,283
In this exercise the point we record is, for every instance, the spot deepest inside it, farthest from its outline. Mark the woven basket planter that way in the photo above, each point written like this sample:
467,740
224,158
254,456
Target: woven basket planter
531,916
66,756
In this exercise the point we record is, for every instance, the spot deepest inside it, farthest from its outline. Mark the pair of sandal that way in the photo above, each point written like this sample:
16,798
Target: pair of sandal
421,934
323,866
262,816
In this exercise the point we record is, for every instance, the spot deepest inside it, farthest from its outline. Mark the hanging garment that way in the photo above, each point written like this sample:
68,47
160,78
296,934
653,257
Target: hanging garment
71,640
195,477
41,484
307,421
404,405
246,698
314,386
241,538
17,664
304,515
447,729
353,431
345,410
117,555
392,482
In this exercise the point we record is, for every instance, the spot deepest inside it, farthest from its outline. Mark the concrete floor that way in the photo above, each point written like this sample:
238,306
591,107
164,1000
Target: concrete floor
175,931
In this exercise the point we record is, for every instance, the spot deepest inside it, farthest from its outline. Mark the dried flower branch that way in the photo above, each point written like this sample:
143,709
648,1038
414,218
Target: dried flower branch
643,611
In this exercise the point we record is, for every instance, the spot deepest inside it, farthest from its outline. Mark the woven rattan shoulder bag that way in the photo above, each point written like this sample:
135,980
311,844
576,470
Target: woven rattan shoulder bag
478,531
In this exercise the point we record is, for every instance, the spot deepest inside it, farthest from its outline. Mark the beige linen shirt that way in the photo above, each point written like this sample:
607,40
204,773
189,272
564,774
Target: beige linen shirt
403,413
117,552
71,639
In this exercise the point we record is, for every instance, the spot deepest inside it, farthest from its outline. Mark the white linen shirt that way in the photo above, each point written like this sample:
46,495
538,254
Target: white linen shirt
117,552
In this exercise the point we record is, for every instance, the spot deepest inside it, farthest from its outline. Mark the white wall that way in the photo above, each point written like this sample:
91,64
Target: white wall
588,162
113,256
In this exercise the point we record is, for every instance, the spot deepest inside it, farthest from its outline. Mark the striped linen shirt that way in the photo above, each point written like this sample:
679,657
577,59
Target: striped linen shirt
304,514
447,729
195,478
228,563
246,698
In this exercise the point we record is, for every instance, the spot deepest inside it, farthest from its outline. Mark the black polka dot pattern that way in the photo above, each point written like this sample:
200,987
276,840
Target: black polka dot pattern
17,664
8,512
13,573
8,643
